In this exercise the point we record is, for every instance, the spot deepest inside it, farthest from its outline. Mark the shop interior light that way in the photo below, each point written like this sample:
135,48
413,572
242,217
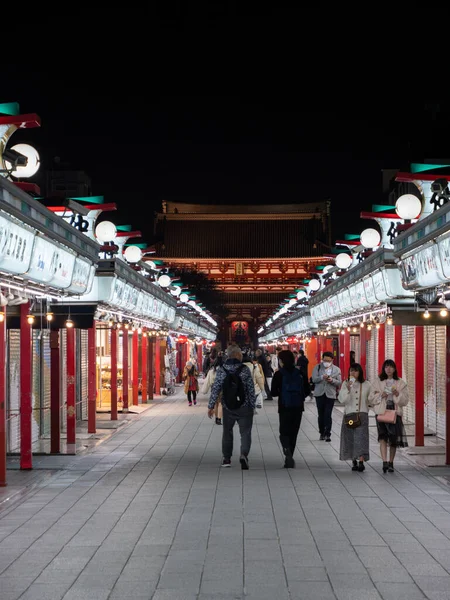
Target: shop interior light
426,314
49,316
389,320
127,326
369,327
110,323
443,312
139,330
69,323
119,325
349,328
30,319
2,316
343,331
361,324
354,330
378,326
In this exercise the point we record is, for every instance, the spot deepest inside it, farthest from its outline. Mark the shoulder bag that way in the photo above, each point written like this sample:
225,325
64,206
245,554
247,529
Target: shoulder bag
352,420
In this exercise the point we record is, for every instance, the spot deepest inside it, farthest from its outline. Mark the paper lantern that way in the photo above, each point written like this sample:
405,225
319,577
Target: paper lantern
408,207
301,294
133,254
105,231
184,297
370,238
164,281
32,165
314,285
343,261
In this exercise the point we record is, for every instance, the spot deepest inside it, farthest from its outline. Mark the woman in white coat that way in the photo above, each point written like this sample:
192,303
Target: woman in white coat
257,376
207,385
390,393
355,395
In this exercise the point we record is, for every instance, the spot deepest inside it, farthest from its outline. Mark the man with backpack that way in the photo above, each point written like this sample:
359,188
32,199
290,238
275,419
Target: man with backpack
235,382
287,385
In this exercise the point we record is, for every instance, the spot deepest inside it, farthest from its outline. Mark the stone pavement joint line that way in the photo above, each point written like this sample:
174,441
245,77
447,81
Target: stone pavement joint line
149,514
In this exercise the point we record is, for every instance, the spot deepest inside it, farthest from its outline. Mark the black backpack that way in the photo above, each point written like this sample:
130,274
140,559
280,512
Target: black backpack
233,389
292,392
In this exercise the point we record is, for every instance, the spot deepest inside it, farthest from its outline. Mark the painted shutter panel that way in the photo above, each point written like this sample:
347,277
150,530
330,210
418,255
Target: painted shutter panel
441,380
13,391
408,338
430,377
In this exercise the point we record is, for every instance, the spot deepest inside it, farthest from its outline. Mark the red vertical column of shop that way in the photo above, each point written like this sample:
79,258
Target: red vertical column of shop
135,367
2,398
447,395
179,361
157,362
363,350
319,349
346,352
419,377
92,384
381,346
151,366
125,398
199,358
114,373
398,349
26,460
55,427
70,365
144,369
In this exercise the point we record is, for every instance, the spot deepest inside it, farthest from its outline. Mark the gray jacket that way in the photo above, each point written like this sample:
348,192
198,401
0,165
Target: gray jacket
321,386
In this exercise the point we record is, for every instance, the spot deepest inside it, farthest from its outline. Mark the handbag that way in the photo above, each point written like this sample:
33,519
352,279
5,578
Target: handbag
352,420
389,416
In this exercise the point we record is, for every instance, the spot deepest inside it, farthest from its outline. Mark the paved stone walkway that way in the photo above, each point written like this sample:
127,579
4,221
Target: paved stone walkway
149,514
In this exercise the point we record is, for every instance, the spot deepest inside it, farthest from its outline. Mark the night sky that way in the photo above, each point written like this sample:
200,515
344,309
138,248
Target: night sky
140,147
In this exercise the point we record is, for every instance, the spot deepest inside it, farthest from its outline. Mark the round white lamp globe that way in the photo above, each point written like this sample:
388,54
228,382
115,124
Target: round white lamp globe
32,166
292,301
105,231
133,254
184,297
175,291
191,302
370,238
301,294
343,261
314,285
408,207
164,281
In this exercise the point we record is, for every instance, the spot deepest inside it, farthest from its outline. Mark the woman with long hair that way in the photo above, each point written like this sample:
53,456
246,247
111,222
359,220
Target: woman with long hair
190,378
207,385
354,395
390,393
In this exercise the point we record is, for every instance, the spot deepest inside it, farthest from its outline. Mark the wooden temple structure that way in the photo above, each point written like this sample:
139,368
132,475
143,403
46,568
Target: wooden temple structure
256,254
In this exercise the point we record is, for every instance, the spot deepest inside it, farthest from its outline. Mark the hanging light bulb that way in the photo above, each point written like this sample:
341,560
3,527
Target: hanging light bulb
389,320
378,326
49,316
127,326
2,316
343,331
361,324
338,330
369,327
69,323
348,328
30,319
111,323
443,312
118,325
354,330
139,330
426,314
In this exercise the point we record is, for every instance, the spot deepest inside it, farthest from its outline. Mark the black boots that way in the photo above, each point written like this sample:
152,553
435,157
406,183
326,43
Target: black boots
391,467
289,462
385,466
358,466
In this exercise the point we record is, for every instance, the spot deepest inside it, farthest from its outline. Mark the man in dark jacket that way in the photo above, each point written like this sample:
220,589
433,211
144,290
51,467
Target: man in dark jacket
302,364
243,416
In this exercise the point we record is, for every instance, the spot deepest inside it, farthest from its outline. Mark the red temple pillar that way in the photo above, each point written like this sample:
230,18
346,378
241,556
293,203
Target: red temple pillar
151,366
363,349
144,368
71,409
55,400
157,362
92,383
346,352
114,374
125,366
135,367
381,346
447,396
398,349
26,458
419,377
2,397
199,357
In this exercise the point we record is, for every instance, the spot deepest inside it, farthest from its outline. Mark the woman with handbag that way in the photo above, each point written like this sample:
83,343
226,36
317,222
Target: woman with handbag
190,378
354,395
389,395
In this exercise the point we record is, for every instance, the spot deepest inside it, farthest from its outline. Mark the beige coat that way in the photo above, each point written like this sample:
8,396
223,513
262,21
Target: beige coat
186,379
257,376
379,403
359,395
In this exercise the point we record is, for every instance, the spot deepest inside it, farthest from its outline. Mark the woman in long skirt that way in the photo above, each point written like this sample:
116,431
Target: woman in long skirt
354,395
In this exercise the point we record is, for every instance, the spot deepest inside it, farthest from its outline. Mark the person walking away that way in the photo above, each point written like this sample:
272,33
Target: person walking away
257,377
235,382
190,378
287,385
302,364
259,356
268,360
275,359
354,395
207,385
327,379
389,396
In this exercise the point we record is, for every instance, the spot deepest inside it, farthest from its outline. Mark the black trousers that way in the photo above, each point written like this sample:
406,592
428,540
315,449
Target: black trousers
324,411
290,420
194,394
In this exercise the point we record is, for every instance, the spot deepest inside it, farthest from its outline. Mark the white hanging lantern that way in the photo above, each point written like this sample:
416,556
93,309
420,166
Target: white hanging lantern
343,261
33,163
408,207
105,231
370,238
292,301
164,281
133,254
301,294
175,291
184,297
314,285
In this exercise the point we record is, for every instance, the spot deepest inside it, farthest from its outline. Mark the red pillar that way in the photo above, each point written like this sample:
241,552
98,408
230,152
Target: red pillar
419,377
151,366
55,400
26,459
319,349
381,346
71,412
157,367
199,357
346,352
398,349
135,368
179,361
144,369
92,384
125,381
114,373
363,351
447,407
2,397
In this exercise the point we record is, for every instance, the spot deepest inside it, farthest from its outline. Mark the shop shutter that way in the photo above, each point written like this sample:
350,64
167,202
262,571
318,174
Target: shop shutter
82,380
389,342
63,380
13,391
356,347
36,395
372,357
408,339
45,384
441,380
430,377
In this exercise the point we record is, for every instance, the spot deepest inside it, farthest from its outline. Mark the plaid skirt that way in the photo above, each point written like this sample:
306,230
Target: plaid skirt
355,442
